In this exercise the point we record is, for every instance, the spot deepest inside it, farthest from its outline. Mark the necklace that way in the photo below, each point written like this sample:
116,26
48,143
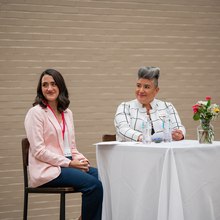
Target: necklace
63,130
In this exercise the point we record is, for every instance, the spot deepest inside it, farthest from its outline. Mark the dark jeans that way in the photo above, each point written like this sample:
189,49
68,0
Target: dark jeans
88,184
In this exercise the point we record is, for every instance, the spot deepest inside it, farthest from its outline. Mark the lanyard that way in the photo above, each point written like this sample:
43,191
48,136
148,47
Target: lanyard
63,130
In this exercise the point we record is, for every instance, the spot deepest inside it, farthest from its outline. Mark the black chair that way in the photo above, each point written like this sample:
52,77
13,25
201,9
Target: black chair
54,190
109,137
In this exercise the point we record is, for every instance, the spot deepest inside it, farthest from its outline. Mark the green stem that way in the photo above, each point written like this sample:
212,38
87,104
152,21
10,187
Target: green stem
208,132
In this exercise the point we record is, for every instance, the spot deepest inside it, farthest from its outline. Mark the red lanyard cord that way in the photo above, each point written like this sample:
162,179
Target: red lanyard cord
63,130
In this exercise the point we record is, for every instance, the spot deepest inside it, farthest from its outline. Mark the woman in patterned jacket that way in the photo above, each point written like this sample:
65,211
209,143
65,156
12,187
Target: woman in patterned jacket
130,115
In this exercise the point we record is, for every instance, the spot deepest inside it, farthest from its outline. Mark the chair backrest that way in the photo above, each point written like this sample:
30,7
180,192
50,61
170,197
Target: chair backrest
109,137
25,150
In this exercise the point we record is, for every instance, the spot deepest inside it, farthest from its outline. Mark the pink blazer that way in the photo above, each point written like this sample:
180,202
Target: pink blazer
46,154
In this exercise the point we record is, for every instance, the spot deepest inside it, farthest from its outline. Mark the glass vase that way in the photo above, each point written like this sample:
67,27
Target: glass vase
205,132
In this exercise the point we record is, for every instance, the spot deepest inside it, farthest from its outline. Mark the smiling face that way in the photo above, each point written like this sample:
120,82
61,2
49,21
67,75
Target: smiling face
145,91
49,89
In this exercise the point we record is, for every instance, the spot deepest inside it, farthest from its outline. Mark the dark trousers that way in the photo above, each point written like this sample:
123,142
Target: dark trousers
88,184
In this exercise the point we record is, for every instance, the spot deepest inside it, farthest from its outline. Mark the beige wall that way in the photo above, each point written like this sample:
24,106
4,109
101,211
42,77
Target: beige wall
98,47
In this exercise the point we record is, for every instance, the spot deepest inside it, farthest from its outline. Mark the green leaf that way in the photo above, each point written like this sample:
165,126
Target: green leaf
208,103
196,117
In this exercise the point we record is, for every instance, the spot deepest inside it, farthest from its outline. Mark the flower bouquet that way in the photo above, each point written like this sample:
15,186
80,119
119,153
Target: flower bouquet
205,112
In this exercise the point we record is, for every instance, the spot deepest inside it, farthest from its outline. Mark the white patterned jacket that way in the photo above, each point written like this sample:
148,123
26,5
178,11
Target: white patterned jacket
130,115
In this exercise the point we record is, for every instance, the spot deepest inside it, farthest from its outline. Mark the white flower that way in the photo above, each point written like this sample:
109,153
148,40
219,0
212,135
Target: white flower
212,108
202,103
203,115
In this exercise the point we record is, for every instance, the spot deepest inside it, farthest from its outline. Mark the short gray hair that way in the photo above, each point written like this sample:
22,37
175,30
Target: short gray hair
149,72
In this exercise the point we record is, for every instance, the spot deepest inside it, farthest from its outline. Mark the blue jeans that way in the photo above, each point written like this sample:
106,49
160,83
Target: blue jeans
88,184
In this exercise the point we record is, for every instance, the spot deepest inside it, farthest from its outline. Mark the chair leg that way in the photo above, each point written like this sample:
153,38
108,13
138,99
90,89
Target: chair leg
25,206
62,206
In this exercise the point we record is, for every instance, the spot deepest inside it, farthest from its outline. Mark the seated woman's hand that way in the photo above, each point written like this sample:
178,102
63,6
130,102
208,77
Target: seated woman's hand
140,138
80,164
177,135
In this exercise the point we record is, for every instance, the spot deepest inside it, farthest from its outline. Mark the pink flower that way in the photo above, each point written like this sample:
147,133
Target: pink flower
208,98
195,108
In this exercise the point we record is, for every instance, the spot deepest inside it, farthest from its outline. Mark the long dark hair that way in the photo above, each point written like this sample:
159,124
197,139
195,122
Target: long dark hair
63,98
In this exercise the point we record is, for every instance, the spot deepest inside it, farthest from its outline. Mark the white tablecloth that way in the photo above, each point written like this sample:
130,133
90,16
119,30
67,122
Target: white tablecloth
166,181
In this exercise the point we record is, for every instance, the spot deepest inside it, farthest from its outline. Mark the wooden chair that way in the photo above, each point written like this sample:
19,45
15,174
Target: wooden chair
109,137
55,190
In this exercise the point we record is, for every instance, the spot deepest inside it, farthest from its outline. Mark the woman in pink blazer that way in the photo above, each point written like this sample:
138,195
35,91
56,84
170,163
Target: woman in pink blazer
53,158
